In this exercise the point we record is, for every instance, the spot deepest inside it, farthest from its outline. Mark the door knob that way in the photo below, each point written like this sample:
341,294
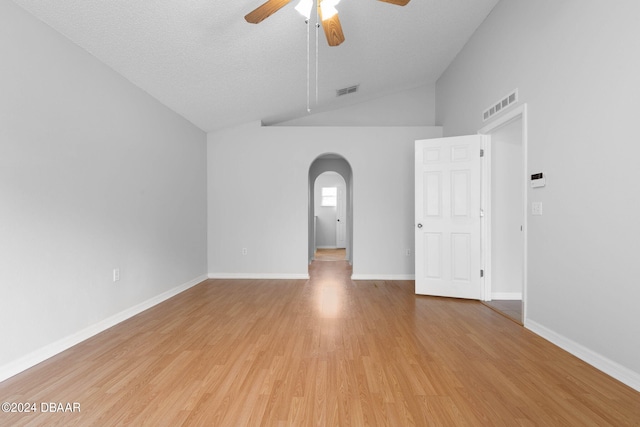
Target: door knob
419,225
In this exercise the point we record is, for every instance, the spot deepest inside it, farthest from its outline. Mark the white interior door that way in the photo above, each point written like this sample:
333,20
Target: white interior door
341,219
447,203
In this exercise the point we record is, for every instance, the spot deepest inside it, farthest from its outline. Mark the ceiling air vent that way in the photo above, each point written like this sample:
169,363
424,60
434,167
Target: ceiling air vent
498,106
347,90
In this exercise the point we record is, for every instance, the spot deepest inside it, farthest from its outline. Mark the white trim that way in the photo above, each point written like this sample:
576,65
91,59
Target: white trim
519,112
269,276
506,296
383,277
485,219
328,247
50,350
608,366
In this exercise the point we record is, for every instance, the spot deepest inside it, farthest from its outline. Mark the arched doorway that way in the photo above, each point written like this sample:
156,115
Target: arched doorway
331,162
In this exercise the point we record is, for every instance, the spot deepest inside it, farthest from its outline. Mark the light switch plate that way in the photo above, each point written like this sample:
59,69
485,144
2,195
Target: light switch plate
536,208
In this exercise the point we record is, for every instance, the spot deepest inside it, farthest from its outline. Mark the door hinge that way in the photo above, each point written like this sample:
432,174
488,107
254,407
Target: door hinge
481,273
481,152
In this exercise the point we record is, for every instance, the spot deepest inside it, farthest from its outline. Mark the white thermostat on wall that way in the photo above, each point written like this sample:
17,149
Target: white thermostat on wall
537,180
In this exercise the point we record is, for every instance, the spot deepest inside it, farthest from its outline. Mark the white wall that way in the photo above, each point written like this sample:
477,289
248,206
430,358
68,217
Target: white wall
94,175
412,107
326,216
576,65
258,197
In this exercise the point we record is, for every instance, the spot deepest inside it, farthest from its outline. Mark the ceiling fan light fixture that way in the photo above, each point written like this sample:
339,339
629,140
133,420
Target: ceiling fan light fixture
304,8
328,8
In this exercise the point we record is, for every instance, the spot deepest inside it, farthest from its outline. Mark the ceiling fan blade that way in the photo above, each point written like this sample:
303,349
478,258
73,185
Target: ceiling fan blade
332,28
396,2
264,11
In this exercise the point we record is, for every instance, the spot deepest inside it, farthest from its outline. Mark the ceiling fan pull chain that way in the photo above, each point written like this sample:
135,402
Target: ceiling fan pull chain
308,70
317,30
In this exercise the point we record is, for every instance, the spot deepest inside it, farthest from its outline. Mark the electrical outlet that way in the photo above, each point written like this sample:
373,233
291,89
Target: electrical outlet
116,274
244,251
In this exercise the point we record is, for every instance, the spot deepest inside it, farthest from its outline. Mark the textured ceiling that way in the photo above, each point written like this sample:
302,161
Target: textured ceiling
202,60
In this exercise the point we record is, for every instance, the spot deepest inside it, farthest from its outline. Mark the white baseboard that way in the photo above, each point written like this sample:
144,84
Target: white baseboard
268,276
608,366
509,296
50,350
383,277
328,247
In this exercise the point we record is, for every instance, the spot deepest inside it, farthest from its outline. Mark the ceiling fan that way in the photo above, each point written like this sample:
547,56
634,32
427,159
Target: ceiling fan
326,12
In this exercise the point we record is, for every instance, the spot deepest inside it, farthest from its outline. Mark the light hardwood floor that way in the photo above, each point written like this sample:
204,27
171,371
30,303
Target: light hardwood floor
510,308
327,351
330,255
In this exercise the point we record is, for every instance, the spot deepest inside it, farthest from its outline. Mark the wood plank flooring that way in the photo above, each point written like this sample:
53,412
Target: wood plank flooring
323,352
330,255
510,308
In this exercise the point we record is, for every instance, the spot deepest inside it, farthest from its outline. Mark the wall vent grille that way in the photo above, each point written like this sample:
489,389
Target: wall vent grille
500,105
347,90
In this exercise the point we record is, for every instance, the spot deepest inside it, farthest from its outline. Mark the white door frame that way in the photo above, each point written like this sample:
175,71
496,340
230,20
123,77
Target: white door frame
518,113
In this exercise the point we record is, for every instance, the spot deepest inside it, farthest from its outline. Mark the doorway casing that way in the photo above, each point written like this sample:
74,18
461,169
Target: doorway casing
519,113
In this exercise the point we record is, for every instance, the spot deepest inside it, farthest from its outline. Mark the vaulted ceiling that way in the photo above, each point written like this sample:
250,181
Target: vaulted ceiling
204,61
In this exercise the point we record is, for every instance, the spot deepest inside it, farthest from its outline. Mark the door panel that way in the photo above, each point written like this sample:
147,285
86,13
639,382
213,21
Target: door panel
433,199
448,256
433,252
